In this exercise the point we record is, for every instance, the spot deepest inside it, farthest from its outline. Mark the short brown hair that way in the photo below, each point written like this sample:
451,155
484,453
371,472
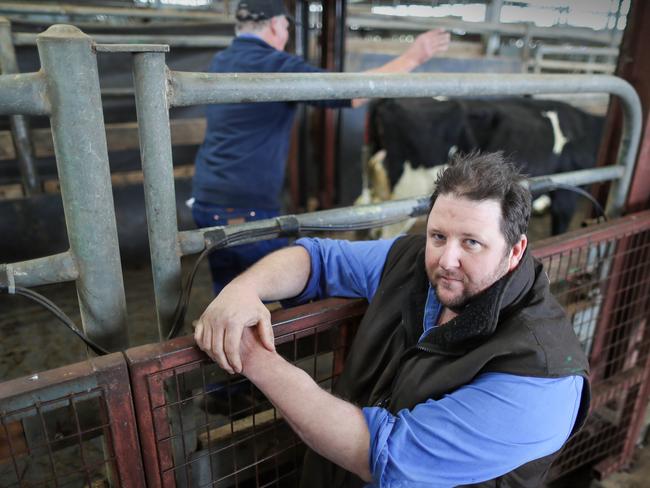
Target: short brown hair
489,176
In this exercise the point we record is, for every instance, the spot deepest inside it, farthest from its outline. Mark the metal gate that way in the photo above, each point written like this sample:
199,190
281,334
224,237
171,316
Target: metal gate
199,426
71,426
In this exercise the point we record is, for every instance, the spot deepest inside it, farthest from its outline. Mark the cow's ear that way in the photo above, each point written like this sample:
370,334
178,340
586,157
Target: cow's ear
517,252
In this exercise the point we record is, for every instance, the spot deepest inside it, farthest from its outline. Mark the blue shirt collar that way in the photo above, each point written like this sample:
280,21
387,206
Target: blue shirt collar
432,309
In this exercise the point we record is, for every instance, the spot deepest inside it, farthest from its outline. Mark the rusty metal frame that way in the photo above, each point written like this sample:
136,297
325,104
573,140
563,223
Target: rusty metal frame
627,385
146,363
105,377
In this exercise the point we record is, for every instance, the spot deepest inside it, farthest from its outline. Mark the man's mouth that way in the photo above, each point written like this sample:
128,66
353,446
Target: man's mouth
449,278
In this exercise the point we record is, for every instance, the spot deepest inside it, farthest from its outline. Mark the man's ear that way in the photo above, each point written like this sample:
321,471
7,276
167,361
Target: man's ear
517,252
273,23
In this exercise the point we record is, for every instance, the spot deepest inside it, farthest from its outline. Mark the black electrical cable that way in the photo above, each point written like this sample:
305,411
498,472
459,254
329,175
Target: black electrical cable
582,192
184,298
58,313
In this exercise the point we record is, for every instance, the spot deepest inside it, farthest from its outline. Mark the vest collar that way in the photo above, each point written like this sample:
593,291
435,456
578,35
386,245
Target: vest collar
479,318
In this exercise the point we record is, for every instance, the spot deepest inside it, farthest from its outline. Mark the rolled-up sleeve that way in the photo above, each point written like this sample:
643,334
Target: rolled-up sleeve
350,269
481,431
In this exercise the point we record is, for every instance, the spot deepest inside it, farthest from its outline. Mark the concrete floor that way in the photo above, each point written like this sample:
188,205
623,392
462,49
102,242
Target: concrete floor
637,475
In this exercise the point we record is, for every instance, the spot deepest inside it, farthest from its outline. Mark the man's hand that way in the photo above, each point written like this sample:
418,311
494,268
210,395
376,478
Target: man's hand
219,330
427,45
423,48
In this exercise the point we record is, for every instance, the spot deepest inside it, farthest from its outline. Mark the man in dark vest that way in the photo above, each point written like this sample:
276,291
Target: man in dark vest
465,369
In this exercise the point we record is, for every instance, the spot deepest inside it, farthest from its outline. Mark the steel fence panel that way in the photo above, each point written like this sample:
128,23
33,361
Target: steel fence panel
201,427
69,427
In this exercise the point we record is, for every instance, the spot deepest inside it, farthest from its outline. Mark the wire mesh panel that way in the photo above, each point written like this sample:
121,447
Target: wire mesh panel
201,427
70,427
601,276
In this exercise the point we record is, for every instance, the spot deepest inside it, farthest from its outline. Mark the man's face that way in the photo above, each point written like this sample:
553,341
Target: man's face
466,251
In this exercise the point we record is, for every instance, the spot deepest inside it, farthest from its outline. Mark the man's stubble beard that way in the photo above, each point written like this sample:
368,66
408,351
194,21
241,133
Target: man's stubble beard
456,304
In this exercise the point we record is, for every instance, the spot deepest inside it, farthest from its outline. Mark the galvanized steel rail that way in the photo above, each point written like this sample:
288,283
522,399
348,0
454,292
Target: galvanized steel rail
67,90
19,125
86,192
185,89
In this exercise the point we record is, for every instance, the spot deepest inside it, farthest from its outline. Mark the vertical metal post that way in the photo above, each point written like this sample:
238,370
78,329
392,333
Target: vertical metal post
492,40
70,65
150,80
19,126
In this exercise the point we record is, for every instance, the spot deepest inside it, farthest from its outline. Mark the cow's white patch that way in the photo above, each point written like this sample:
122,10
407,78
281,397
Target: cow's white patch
558,138
413,183
541,204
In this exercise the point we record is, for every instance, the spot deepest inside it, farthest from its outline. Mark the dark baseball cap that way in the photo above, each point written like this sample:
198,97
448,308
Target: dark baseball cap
256,10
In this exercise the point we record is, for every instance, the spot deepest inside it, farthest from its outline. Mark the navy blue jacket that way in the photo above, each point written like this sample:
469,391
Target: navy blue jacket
242,160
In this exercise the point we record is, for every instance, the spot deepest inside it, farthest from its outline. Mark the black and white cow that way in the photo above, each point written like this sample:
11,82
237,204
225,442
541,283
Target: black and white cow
541,136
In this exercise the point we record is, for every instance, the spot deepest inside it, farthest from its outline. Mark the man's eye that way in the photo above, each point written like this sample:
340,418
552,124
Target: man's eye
472,244
437,237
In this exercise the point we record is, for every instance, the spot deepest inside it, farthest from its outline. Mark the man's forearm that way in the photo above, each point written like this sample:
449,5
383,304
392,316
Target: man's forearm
282,274
332,427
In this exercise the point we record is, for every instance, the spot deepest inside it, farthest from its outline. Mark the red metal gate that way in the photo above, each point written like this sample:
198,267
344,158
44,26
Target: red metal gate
71,426
602,277
201,427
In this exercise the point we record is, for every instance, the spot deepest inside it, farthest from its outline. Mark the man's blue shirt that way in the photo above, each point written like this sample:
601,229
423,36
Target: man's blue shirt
242,160
478,432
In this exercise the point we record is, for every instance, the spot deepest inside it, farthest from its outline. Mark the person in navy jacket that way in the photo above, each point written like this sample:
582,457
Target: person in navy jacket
240,167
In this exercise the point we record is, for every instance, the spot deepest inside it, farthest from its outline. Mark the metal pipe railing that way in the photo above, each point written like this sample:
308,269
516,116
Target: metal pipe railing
212,42
19,126
202,88
67,54
69,67
156,155
376,215
57,268
23,94
67,90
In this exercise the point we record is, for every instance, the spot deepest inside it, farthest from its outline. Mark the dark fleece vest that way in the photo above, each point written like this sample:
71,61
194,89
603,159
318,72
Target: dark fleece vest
516,326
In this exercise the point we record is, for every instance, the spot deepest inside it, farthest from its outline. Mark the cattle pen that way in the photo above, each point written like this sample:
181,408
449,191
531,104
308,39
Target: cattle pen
140,415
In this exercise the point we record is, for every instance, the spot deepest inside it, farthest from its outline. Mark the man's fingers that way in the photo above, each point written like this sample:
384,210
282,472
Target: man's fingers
232,340
198,332
219,353
265,330
206,340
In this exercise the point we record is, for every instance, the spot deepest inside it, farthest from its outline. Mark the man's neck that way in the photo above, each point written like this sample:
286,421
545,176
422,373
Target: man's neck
262,35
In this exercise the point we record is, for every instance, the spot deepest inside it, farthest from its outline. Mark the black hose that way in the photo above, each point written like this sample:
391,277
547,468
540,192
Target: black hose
580,191
58,313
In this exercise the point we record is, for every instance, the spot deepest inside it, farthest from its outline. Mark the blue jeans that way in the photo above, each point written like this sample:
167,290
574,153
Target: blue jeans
226,264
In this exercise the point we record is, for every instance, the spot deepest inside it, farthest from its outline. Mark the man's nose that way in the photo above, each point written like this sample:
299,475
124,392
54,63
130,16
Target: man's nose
450,257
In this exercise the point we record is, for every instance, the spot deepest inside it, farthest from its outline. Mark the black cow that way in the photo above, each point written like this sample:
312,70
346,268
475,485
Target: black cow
541,136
